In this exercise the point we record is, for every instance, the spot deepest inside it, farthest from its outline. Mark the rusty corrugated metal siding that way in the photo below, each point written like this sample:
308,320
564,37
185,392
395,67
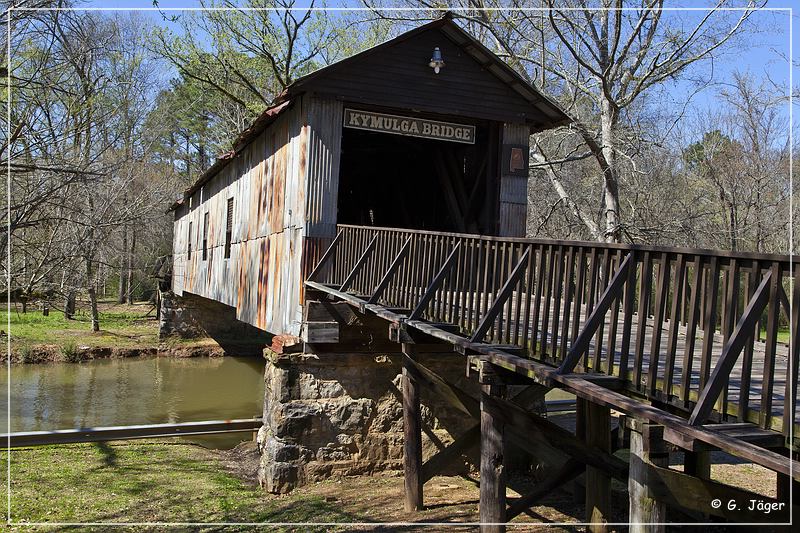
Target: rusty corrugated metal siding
284,186
324,147
262,278
513,189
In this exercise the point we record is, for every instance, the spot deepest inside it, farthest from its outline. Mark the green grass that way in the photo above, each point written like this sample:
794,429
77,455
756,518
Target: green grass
783,335
145,481
120,325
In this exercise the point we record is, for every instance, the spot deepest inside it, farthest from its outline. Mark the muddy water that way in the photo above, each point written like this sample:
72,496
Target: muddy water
118,392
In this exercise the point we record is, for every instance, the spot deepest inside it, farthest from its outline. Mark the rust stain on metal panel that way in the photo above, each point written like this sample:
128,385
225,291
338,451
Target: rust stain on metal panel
278,179
259,184
241,297
276,295
301,175
263,281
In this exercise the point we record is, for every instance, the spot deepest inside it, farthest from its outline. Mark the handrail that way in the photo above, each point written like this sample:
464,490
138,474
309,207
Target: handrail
570,301
586,244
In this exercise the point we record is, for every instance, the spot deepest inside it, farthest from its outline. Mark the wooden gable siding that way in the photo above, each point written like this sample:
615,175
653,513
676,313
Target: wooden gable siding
399,76
262,278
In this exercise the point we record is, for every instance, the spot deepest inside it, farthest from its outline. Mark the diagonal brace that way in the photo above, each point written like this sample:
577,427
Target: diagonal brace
504,294
460,446
436,283
359,264
387,277
730,352
597,316
571,469
326,256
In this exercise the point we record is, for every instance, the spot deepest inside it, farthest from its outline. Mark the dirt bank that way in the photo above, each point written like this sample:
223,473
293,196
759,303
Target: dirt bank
52,353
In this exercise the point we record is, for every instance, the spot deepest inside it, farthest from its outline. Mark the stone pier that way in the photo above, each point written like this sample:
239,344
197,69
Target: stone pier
329,414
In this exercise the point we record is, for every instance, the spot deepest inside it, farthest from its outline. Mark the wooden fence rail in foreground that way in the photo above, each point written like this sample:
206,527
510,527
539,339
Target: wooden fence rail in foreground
146,431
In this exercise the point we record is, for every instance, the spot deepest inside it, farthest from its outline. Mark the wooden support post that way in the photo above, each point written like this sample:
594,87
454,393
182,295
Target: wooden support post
493,478
646,513
697,464
578,491
412,435
598,483
784,484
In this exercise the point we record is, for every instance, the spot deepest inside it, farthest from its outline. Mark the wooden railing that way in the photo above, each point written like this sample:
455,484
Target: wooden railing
695,329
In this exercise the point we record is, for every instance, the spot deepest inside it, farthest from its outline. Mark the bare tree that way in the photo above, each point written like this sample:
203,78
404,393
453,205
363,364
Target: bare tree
82,172
599,62
247,53
738,165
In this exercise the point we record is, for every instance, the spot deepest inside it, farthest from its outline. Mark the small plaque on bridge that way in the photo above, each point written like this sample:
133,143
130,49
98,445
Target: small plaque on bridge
515,160
409,126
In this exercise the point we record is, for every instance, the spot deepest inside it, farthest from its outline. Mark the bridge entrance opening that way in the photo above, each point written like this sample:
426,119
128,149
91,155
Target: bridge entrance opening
410,182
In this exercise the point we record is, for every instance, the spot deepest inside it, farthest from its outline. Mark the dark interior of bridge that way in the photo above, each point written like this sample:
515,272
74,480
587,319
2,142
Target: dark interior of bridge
409,182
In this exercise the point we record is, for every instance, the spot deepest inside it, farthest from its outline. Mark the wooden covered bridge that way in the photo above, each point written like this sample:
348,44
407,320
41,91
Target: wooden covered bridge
297,231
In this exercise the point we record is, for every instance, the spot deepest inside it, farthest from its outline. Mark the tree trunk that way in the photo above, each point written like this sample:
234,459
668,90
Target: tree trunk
608,120
130,266
122,276
69,305
92,295
95,314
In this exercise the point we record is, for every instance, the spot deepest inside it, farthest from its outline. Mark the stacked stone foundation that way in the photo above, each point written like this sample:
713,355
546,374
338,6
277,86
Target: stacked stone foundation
332,414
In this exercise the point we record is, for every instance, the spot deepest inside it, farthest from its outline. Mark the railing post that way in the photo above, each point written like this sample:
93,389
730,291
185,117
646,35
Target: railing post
770,345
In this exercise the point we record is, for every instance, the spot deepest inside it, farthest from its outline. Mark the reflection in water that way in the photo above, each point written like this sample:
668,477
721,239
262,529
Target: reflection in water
117,392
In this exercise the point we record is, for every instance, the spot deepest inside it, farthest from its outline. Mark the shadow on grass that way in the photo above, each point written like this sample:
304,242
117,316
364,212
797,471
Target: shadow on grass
109,454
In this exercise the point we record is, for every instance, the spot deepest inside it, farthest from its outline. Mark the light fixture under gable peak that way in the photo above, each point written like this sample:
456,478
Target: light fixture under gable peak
437,63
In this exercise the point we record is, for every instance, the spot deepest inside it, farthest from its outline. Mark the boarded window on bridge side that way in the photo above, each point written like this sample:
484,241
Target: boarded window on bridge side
205,236
189,240
229,228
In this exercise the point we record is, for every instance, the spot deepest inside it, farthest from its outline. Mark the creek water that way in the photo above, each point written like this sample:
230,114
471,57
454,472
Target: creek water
117,392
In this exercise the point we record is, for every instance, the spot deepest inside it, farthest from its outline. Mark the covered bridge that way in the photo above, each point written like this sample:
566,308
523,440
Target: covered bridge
380,139
376,215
